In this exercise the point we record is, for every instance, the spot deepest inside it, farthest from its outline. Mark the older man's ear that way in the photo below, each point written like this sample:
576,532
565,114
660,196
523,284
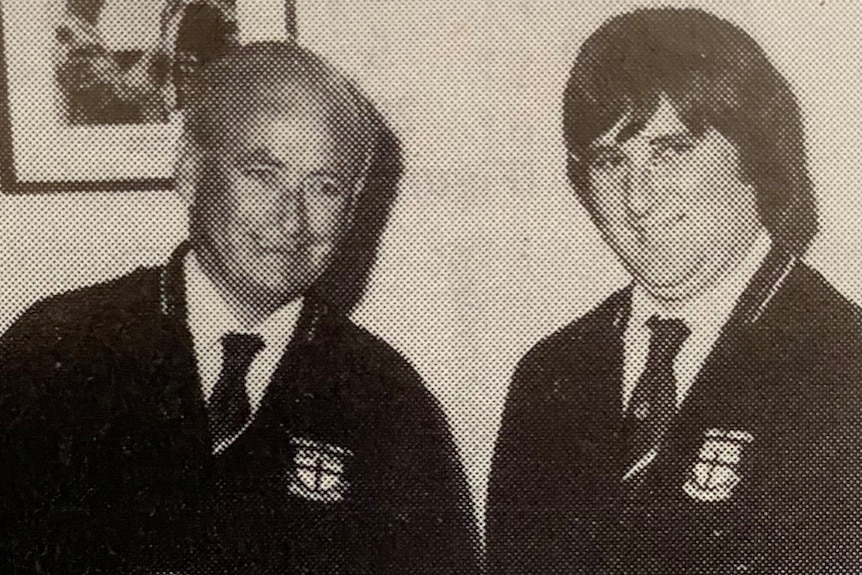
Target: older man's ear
186,171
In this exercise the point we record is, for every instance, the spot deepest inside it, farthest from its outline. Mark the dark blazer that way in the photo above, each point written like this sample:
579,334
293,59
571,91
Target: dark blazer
781,389
348,466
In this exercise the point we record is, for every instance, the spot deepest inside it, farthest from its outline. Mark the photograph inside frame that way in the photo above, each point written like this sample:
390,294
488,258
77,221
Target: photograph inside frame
94,88
126,62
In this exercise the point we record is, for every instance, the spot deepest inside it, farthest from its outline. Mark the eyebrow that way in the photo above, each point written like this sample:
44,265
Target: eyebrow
598,148
261,156
658,140
630,130
672,137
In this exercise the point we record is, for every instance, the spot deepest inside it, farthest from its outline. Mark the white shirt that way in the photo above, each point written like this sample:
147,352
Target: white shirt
705,315
210,317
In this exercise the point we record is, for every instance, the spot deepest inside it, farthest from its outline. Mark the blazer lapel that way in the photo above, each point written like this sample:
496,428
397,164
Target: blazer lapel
186,383
739,349
291,374
175,352
591,393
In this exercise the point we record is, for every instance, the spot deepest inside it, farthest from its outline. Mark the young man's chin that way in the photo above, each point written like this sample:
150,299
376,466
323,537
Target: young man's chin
682,285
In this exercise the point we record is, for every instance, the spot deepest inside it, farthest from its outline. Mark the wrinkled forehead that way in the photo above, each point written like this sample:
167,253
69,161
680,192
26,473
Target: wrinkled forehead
306,133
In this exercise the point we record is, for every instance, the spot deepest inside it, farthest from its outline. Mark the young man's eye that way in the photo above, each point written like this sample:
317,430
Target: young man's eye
672,149
606,160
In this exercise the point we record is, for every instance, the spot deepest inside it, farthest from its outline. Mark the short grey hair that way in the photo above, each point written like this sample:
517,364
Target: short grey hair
252,72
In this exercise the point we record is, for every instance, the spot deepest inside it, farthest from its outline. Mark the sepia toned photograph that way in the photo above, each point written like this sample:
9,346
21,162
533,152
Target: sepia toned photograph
370,287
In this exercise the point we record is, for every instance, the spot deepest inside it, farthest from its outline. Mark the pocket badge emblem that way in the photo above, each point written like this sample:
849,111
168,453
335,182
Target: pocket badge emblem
715,476
318,471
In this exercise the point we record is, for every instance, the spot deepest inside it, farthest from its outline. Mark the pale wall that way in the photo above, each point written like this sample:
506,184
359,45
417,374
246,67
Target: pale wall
487,250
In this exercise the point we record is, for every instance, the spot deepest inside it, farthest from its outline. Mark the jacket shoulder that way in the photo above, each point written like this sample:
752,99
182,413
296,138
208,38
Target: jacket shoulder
377,356
821,326
76,312
818,304
573,338
823,323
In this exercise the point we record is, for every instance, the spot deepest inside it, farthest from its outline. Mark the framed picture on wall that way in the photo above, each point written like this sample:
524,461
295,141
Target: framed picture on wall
91,91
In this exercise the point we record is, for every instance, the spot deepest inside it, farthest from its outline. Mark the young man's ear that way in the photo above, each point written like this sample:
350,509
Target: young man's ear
186,171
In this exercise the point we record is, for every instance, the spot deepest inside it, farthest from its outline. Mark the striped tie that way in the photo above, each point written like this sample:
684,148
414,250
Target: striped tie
653,402
229,408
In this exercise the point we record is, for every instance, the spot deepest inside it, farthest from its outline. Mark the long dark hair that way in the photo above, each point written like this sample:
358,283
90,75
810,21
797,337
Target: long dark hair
715,75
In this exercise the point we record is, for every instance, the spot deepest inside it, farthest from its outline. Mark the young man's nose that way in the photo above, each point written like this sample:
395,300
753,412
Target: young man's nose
639,193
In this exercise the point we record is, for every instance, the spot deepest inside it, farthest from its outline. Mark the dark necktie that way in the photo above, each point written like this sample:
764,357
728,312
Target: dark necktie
228,407
653,402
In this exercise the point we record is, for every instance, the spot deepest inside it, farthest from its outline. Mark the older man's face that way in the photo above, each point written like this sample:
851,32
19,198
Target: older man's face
277,199
672,204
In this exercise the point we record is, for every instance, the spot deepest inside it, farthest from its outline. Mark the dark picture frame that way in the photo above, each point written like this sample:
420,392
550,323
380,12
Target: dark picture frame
54,138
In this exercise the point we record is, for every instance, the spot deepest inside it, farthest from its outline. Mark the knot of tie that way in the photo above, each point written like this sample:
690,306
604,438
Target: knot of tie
667,338
239,350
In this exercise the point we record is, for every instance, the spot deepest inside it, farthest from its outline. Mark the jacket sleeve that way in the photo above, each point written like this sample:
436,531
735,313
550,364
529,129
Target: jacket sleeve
41,494
511,518
432,529
30,490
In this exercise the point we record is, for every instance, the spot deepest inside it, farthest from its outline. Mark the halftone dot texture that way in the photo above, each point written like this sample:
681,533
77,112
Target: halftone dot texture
488,250
653,403
228,407
347,465
724,484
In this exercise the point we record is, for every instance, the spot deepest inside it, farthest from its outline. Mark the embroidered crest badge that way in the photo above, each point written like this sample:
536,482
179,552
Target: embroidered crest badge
318,471
715,476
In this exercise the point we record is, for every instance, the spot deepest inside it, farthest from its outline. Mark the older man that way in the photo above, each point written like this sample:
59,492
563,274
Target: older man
705,419
221,414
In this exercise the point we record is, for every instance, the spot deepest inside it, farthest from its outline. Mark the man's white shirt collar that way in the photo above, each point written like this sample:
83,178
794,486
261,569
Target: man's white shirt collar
705,315
210,317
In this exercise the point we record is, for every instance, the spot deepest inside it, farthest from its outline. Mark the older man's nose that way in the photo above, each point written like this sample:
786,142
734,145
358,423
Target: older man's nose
291,210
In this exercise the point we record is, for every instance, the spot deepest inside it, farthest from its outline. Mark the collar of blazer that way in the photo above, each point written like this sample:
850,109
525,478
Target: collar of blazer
310,332
765,284
754,300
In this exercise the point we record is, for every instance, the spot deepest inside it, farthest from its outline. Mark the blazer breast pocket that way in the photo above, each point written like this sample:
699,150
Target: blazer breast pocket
318,471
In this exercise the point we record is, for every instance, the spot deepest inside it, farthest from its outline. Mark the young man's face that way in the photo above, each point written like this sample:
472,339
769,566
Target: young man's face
672,204
275,199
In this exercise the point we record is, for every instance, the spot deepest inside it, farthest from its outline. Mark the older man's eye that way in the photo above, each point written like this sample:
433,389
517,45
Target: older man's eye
323,187
260,172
